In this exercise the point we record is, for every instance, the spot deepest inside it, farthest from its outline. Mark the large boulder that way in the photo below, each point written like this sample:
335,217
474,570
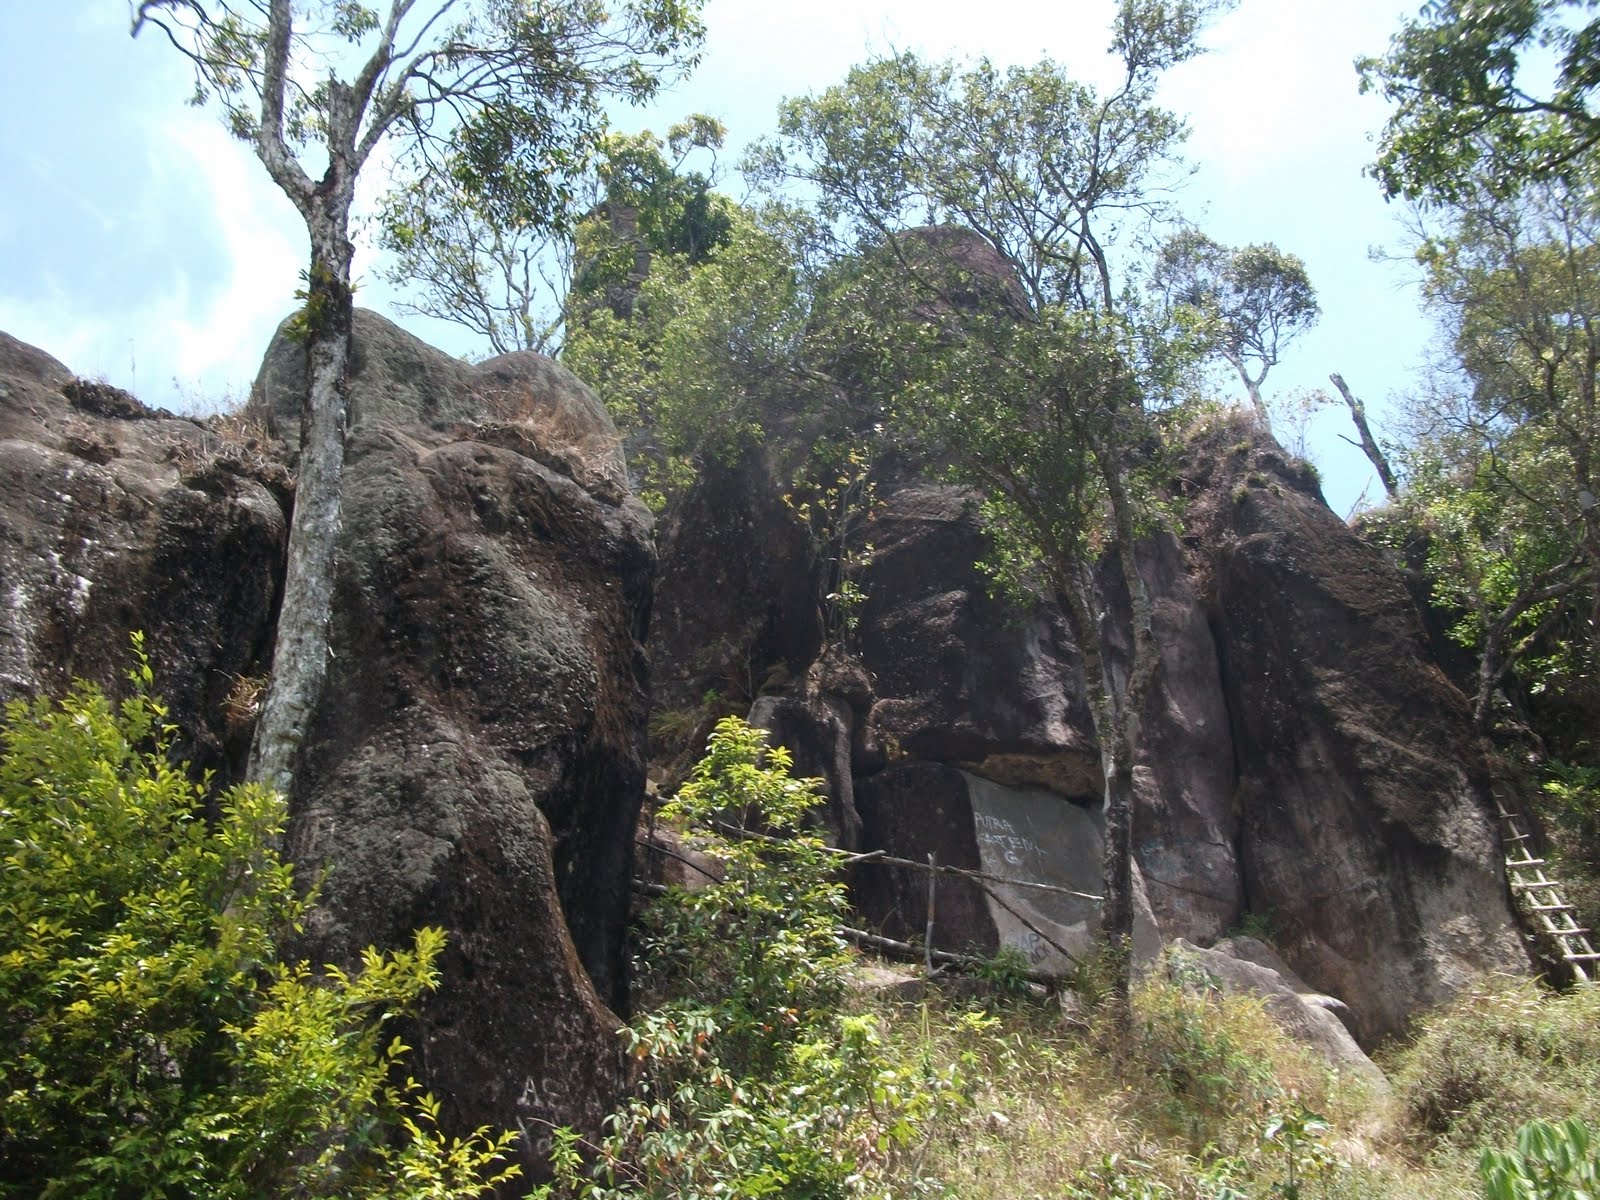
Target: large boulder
1366,816
477,760
1245,966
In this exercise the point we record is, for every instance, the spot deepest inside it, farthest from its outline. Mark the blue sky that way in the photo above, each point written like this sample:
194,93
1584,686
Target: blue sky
138,242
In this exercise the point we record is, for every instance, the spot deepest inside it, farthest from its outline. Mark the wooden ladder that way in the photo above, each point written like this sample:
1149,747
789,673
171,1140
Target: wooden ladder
1542,901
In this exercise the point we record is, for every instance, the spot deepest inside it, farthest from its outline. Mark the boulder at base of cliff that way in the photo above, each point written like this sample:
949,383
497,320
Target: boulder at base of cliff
1243,966
477,762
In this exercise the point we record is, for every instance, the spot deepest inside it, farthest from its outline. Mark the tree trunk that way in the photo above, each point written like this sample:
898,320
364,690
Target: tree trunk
1116,911
300,653
1369,444
1113,731
1252,386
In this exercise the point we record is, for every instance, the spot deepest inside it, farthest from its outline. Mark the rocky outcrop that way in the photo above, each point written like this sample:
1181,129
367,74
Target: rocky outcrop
478,757
478,760
736,599
114,518
1301,758
1366,829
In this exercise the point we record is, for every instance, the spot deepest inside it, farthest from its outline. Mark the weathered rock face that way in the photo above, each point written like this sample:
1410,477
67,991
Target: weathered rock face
736,599
1365,816
478,757
1028,835
114,519
478,760
1300,756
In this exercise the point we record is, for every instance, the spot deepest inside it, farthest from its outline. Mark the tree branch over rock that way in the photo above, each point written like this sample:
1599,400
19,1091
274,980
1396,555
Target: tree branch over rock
507,96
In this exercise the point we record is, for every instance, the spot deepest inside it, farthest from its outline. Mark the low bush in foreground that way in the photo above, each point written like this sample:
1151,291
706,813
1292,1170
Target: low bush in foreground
153,1043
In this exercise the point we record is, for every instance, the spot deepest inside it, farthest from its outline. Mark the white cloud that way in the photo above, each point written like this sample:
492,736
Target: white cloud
265,249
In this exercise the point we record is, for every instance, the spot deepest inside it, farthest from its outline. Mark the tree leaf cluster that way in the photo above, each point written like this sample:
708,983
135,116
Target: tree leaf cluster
755,1079
1471,109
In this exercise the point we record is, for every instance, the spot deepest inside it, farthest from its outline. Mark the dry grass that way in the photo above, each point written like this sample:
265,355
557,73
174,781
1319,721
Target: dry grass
1058,1110
1506,1052
242,705
555,434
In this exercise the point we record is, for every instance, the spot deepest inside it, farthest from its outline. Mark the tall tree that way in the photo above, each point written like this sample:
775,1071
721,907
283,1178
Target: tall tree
1469,115
514,283
1505,467
1037,388
1257,299
506,94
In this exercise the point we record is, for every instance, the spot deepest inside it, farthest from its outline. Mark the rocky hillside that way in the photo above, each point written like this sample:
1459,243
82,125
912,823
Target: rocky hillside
1305,763
478,762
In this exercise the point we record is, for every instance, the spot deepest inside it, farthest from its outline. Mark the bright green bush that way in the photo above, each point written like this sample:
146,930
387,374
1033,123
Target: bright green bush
754,1078
152,1042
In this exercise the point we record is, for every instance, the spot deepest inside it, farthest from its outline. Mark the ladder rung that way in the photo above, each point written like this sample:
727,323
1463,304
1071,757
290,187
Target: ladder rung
1517,837
1549,908
1512,865
1588,957
1575,931
1540,883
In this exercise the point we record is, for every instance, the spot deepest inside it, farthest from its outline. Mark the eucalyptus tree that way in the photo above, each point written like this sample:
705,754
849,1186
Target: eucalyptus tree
1257,299
508,95
1042,401
1470,115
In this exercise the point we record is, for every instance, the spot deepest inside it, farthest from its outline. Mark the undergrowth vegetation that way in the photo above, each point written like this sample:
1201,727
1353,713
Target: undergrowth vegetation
155,1043
153,1040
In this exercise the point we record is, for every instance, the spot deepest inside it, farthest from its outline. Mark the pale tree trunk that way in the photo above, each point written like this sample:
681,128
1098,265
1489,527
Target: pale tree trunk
1114,705
1116,768
300,652
1115,701
1252,386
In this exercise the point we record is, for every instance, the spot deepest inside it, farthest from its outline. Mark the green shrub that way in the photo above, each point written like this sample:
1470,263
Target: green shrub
1211,1057
755,1080
1502,1053
1551,1162
152,1043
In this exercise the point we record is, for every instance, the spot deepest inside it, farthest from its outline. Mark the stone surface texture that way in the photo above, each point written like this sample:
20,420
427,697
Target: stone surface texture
1302,757
478,758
